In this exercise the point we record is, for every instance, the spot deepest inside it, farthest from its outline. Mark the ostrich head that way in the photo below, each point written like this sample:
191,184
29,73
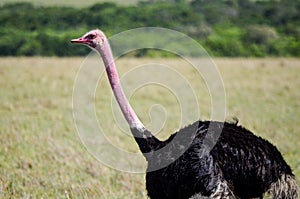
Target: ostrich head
93,38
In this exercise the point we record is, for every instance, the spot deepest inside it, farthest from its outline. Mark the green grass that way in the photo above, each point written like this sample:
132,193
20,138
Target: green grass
41,155
70,3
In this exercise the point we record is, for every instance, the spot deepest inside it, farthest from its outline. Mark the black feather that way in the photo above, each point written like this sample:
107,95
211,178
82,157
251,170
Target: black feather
249,163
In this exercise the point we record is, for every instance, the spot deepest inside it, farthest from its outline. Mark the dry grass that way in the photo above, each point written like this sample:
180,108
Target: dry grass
41,155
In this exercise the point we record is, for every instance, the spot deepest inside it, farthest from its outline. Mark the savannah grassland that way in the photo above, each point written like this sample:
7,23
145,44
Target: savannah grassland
41,155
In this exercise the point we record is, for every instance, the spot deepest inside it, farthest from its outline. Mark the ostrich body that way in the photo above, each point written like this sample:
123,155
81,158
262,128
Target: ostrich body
239,165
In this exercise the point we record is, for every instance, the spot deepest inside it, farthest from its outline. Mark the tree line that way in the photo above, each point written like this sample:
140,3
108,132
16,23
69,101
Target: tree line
224,28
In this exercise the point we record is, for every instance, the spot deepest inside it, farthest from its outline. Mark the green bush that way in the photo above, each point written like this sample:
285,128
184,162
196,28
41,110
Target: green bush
260,34
225,28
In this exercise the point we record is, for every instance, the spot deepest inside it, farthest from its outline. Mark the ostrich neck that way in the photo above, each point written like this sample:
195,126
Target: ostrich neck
144,138
114,81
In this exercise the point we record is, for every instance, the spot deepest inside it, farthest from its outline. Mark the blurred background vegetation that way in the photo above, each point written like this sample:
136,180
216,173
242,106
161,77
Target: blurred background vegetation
231,28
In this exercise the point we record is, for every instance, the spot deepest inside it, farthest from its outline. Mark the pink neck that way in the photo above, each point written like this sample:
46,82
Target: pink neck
114,81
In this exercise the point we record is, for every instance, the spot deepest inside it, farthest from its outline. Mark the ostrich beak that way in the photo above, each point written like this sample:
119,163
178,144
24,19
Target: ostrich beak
80,41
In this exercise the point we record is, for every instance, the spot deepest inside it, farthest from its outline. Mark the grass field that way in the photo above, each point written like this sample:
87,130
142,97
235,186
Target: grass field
41,155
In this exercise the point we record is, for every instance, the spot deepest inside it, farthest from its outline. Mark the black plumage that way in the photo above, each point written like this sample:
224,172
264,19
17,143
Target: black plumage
248,164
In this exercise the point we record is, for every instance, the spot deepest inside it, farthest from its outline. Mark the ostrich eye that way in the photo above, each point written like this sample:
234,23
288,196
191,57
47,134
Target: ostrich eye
91,36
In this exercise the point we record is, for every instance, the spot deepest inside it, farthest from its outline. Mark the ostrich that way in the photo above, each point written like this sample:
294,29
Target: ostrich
239,165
